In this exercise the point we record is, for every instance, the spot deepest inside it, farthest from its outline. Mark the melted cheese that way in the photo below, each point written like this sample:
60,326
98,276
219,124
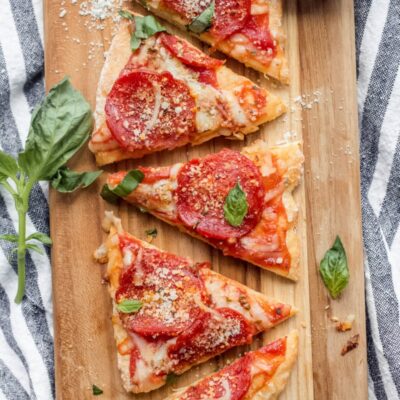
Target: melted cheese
227,390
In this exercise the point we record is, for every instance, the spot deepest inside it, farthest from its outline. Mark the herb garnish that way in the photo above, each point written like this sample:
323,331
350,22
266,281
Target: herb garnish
235,207
128,185
152,232
66,181
144,28
203,21
129,306
334,269
59,127
96,390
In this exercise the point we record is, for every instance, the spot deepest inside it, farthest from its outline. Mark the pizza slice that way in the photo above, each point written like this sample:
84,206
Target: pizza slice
170,313
248,30
260,374
167,93
239,202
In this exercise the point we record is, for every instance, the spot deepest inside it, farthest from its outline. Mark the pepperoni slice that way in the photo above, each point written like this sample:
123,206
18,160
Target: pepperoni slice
211,334
147,110
230,17
189,55
235,380
203,185
167,288
257,30
188,9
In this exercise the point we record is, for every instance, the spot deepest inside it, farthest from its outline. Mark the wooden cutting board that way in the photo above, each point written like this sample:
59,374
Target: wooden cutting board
322,113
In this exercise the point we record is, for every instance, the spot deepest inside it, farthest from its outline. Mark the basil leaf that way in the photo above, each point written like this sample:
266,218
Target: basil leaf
144,28
129,306
96,390
35,247
8,166
125,14
203,22
334,269
235,207
128,185
66,181
152,232
59,127
41,237
9,238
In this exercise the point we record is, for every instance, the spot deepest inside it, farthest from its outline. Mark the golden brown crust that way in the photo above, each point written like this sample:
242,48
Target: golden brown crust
117,57
277,68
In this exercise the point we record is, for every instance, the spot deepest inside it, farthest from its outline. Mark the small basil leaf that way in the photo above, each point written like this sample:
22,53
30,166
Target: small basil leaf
41,237
59,127
34,247
334,269
66,181
125,14
96,390
144,28
9,238
203,22
8,166
235,207
128,185
129,306
152,232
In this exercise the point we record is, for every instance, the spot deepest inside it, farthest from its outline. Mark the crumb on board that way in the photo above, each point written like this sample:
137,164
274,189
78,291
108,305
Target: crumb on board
346,325
351,344
307,101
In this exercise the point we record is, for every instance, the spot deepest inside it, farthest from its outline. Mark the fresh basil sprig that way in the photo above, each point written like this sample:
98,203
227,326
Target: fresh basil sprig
334,269
66,181
129,183
203,22
129,306
235,207
144,27
59,127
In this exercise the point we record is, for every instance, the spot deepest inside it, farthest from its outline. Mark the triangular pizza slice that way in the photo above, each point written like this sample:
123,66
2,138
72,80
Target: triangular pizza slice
167,93
248,30
260,374
170,313
239,202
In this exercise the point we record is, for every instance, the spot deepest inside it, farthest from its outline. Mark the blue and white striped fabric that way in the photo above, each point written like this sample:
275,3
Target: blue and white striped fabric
378,55
26,336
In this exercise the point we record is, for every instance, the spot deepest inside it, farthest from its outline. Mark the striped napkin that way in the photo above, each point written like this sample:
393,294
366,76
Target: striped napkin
26,335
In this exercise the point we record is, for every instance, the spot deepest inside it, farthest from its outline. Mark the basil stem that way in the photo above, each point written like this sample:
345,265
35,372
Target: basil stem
59,127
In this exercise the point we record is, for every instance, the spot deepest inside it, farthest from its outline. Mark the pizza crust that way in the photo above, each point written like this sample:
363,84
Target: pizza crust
117,57
277,68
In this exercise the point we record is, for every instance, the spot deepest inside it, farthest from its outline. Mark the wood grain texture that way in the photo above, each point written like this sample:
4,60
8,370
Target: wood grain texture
321,55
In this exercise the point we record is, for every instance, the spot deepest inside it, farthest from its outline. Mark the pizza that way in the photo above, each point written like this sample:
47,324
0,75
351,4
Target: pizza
248,30
167,93
238,202
260,374
170,313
